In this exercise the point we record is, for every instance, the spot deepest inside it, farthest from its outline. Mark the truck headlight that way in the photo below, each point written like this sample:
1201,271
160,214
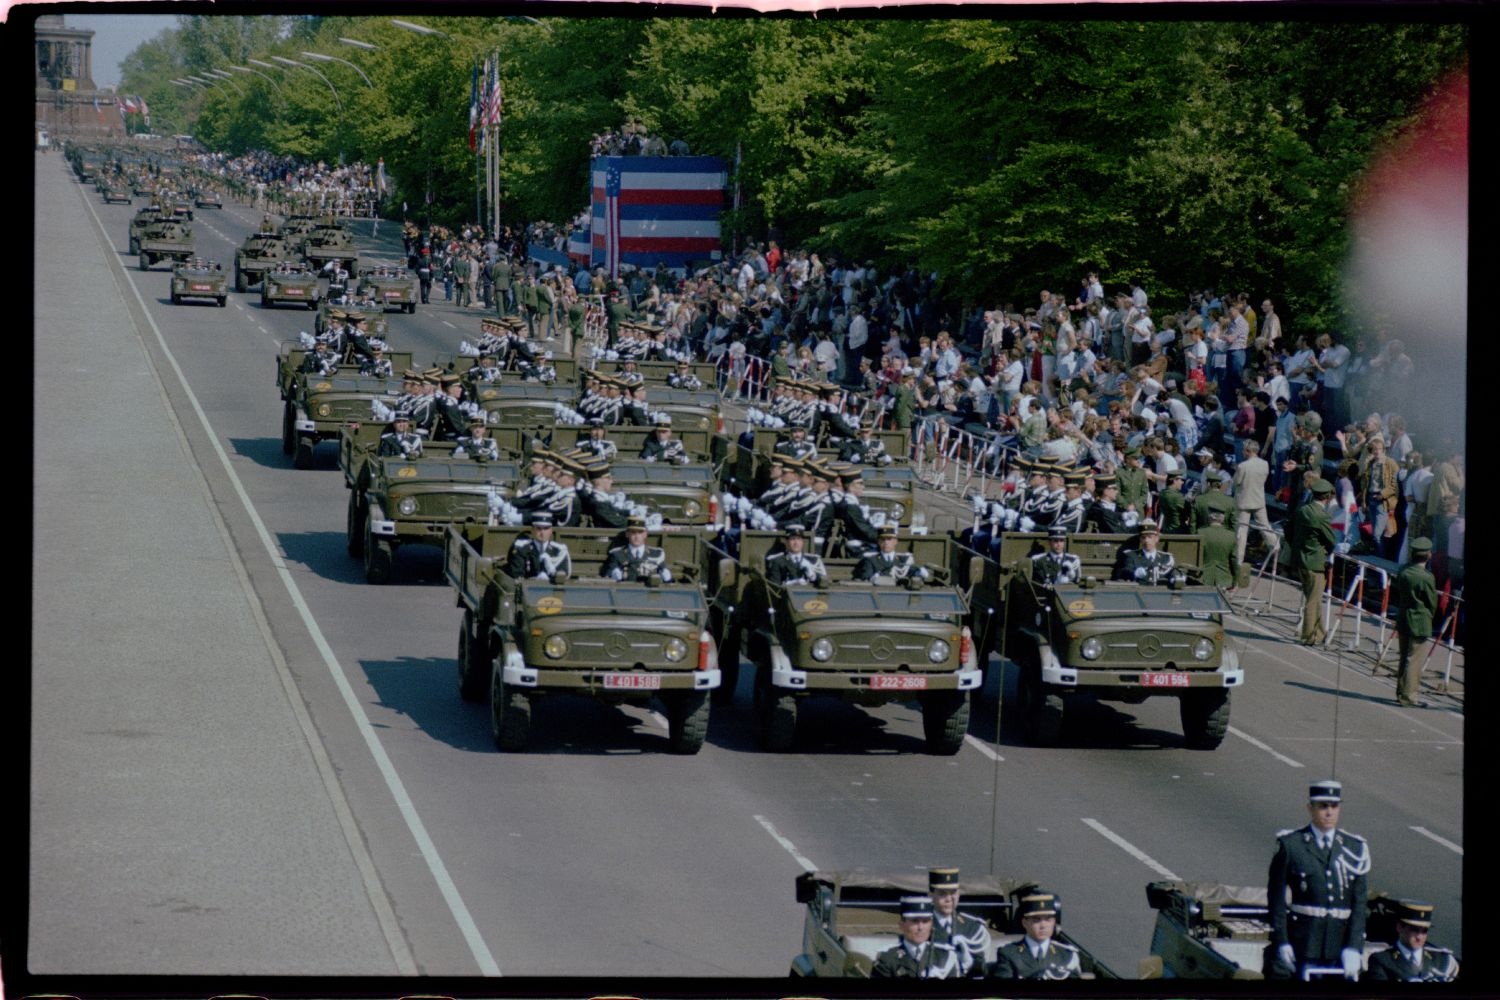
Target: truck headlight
1092,648
556,647
674,649
937,651
897,511
1203,649
324,409
407,506
691,508
822,650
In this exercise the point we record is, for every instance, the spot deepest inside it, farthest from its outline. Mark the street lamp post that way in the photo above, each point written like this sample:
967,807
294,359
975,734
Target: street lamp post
332,89
320,57
267,77
422,29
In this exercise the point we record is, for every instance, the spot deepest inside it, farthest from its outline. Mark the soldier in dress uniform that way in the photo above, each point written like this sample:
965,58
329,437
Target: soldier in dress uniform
683,377
1146,563
1220,567
861,533
866,448
538,557
797,446
1074,508
1314,541
1105,513
399,440
888,566
794,565
829,414
563,503
968,937
1037,955
1213,497
477,444
662,446
813,509
1415,594
635,560
1410,960
377,364
451,419
1057,564
1316,891
484,370
916,956
596,444
319,361
598,501
1044,501
1134,492
1172,504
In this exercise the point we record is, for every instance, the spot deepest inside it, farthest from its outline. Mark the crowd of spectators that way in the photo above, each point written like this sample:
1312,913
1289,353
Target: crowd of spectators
276,183
633,139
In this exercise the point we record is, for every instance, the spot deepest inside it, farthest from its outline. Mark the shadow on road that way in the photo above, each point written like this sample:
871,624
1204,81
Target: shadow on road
324,553
266,452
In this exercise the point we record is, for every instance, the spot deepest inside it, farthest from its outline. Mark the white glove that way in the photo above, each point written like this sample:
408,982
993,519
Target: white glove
1027,524
653,521
877,519
1352,960
1287,957
978,503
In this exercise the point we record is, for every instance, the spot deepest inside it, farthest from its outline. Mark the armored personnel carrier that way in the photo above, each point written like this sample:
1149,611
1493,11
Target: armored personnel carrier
259,253
164,239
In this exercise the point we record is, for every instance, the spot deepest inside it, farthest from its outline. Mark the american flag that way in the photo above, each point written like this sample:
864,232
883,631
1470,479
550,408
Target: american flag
494,94
656,209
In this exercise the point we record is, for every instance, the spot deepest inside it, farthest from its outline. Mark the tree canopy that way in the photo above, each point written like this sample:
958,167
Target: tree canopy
1005,155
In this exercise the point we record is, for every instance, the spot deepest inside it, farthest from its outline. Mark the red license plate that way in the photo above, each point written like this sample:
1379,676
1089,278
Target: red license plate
393,295
203,288
292,291
898,682
1164,680
633,682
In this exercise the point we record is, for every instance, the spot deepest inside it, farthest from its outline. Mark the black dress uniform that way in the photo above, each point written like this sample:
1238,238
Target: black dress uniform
1317,895
530,559
968,937
916,961
1146,567
1400,964
479,449
406,445
864,451
319,364
1054,568
599,448
1054,961
634,563
858,528
601,508
796,449
657,450
786,569
1106,517
1071,516
877,567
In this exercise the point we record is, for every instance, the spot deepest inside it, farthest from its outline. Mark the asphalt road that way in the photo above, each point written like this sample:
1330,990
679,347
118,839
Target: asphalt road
596,852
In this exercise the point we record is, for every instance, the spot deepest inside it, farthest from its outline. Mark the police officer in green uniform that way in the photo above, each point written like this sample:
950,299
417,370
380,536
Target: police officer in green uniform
1415,593
969,938
1410,960
1220,567
1314,536
1131,479
916,955
502,273
1213,497
904,412
1173,505
526,298
616,311
1037,955
1316,892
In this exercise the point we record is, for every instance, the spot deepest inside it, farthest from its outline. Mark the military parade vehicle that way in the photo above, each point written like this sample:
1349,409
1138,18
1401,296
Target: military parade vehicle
164,239
315,408
207,197
851,917
681,494
291,353
289,284
330,242
143,218
180,205
259,253
521,640
295,229
1114,640
396,501
391,286
116,191
1207,930
863,642
199,279
655,373
752,465
376,324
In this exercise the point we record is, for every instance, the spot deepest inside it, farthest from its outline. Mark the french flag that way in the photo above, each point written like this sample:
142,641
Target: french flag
656,209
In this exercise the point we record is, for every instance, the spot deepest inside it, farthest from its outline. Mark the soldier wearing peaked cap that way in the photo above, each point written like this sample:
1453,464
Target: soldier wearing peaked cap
477,444
865,448
1410,960
596,443
1038,955
887,566
538,557
968,937
797,445
400,441
1416,599
1075,508
1317,891
794,565
1056,565
661,446
1146,563
916,955
635,560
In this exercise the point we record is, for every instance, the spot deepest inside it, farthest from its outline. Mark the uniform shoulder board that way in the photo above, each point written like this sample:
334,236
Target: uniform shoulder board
775,555
617,548
1440,951
1064,945
1283,833
523,542
1352,836
939,946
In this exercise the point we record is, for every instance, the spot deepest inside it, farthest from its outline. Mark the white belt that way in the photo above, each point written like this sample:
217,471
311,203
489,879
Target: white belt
1321,911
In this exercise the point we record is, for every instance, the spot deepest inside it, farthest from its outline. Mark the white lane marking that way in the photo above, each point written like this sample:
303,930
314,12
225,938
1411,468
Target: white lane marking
1313,673
239,307
983,748
789,846
481,952
1130,849
1446,843
449,325
263,329
1257,743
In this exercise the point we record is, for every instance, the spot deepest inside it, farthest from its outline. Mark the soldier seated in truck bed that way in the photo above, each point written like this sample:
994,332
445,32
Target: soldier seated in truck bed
635,560
889,567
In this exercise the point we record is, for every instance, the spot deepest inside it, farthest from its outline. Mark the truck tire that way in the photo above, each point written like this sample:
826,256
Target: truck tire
288,430
135,245
510,714
775,714
687,720
945,721
411,307
473,664
379,554
221,300
1041,709
727,634
1205,717
239,282
354,526
144,261
302,457
312,305
176,299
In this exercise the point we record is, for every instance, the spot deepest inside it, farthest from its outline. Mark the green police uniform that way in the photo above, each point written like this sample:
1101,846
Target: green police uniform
1174,512
1415,593
577,313
501,274
779,367
616,312
1220,567
906,408
1314,541
526,298
1132,483
1213,499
